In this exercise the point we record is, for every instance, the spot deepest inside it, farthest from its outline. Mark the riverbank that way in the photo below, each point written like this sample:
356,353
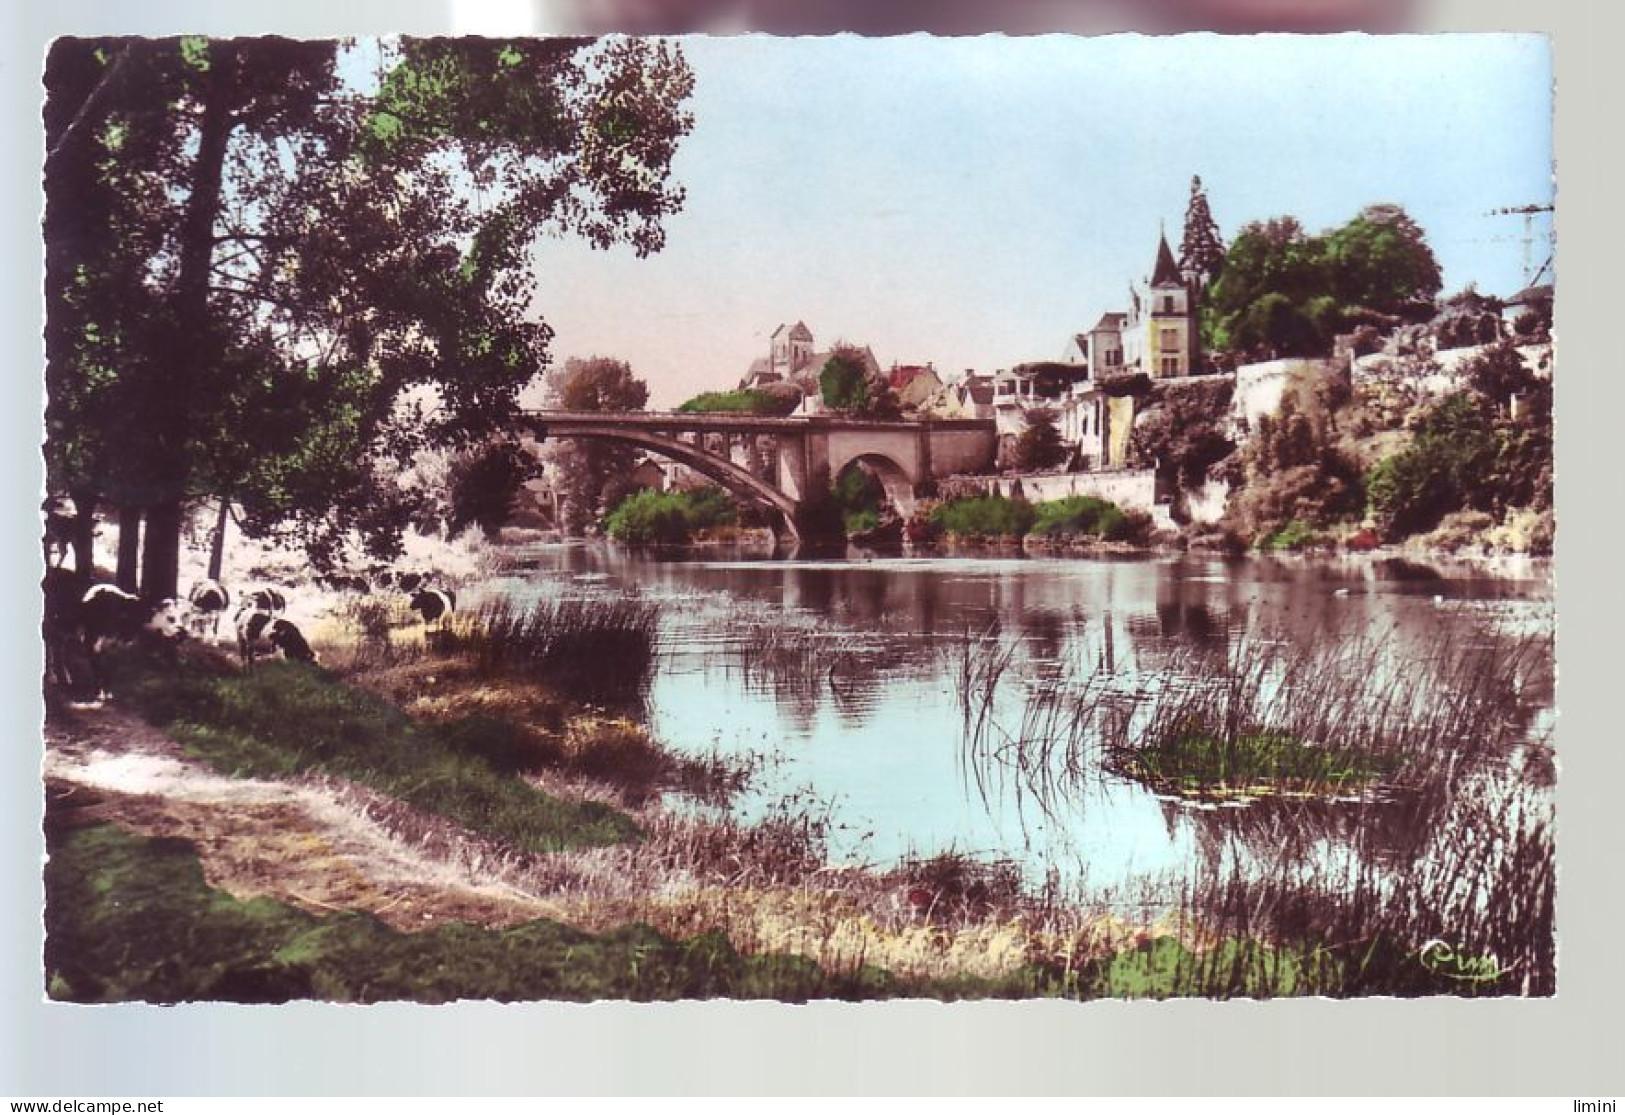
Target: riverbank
349,857
264,810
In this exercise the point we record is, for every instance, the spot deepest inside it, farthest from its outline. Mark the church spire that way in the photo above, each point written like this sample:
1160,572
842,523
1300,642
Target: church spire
1166,272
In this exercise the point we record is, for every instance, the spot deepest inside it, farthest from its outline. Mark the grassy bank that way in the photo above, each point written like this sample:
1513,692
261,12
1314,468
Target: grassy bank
286,718
129,918
639,902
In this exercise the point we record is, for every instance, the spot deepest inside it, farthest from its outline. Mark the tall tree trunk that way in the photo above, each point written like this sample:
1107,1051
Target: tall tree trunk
84,531
217,541
161,551
129,548
196,341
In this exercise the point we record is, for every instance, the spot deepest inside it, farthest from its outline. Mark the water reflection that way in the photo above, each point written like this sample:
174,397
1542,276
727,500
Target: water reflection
852,673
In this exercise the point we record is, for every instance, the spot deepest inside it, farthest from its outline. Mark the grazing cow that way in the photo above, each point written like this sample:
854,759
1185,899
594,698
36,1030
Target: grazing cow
434,604
209,601
61,514
81,621
257,631
265,599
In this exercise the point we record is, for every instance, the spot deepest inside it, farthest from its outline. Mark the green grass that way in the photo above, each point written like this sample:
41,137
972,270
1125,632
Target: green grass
1200,762
286,718
129,918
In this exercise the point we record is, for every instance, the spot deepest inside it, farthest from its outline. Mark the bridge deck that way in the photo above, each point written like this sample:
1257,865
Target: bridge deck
735,423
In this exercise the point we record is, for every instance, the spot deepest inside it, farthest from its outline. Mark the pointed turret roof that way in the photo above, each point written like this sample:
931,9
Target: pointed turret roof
1166,272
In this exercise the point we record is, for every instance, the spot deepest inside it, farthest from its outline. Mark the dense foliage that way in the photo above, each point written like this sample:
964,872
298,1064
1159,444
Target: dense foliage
1039,446
592,476
847,384
1287,293
1293,471
648,517
1465,456
1079,515
1182,429
1074,516
990,516
859,495
775,400
269,285
483,484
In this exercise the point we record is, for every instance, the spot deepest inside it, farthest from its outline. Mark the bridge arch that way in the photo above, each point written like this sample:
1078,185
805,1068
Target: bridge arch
735,479
894,478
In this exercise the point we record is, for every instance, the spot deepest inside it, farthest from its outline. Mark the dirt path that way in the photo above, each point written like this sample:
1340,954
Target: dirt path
320,845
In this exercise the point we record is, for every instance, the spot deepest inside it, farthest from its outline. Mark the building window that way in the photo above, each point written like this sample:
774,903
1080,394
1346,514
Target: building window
1170,340
1167,303
1170,365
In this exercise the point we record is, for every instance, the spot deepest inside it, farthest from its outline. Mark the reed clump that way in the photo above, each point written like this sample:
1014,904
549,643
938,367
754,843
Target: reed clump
589,650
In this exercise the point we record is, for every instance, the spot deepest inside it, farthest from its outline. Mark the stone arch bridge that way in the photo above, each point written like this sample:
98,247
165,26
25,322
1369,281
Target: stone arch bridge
780,463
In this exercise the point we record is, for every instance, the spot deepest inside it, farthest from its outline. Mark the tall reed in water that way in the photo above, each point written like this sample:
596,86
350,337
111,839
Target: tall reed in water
593,650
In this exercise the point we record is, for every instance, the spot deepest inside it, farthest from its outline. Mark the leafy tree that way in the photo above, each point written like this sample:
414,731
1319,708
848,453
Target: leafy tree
847,384
591,474
483,484
1201,251
602,384
1381,261
1500,375
1445,469
843,382
1183,430
269,284
1039,446
1287,292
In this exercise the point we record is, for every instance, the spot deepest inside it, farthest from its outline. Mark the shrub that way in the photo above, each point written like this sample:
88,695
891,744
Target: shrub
669,518
776,400
1446,468
1295,535
1079,515
984,515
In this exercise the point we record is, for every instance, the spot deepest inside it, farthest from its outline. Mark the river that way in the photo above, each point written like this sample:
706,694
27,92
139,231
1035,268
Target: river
850,684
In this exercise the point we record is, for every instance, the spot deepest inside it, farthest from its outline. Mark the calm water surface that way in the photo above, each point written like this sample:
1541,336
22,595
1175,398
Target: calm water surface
843,679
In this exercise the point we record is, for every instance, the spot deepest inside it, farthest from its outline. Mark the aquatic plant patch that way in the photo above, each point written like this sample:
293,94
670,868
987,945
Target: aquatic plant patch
1206,765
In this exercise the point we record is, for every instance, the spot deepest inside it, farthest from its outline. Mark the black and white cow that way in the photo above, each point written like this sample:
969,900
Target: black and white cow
434,604
209,601
265,599
81,619
261,632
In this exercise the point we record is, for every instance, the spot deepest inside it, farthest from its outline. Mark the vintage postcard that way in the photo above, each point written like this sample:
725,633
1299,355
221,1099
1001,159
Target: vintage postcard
798,518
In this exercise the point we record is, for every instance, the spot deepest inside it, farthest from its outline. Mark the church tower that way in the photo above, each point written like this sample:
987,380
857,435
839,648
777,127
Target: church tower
1169,320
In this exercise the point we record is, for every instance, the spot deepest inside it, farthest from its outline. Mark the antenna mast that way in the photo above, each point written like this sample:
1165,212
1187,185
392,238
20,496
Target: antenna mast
1528,213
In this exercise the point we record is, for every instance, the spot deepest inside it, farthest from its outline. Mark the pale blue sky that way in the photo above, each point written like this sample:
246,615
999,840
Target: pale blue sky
973,202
